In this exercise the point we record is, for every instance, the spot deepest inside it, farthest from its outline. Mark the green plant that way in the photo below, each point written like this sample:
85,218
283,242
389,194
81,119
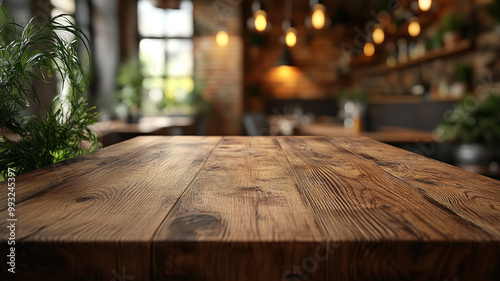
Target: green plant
38,53
436,42
452,22
355,96
195,97
463,72
472,121
130,79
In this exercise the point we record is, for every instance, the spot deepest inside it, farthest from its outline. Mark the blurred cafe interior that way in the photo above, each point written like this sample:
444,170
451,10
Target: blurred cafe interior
423,75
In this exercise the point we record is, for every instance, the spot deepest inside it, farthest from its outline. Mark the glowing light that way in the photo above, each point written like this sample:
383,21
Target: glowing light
222,38
291,37
414,29
318,17
369,49
260,20
424,5
378,35
285,71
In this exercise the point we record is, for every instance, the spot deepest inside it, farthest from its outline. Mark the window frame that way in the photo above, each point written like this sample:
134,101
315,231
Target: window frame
165,76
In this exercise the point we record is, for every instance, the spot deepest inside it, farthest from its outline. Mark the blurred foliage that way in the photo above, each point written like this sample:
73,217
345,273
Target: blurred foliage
130,79
195,97
37,53
353,95
453,22
462,73
473,121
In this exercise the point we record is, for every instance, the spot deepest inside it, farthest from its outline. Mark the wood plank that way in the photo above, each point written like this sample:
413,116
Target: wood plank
365,209
242,219
51,177
262,208
86,226
472,197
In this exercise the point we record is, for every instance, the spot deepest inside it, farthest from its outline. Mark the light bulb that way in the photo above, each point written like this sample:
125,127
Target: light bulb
414,28
318,17
260,20
222,38
424,5
369,49
378,35
291,37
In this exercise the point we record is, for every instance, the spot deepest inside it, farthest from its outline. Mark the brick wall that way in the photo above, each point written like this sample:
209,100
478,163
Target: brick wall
220,68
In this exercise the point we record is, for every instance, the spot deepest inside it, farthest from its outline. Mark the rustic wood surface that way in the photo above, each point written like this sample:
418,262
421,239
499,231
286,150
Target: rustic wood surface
253,208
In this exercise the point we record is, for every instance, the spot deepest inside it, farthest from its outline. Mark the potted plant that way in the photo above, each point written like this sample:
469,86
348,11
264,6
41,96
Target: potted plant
461,79
129,97
353,108
474,125
452,25
37,53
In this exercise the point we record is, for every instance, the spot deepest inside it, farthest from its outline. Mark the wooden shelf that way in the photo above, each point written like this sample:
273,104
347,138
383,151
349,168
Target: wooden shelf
461,47
398,99
391,99
445,99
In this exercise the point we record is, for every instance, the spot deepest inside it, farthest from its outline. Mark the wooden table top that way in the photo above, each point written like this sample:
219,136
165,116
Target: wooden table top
146,125
253,208
385,134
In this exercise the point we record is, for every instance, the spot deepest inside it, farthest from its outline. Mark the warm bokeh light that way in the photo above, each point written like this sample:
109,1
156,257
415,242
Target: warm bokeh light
222,38
289,82
369,49
424,5
318,17
260,20
291,37
378,35
414,28
285,71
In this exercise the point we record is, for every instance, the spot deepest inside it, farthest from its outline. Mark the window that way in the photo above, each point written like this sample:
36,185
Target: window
166,51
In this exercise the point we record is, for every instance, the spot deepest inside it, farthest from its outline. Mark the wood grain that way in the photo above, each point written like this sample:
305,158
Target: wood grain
254,208
242,218
103,219
473,198
360,204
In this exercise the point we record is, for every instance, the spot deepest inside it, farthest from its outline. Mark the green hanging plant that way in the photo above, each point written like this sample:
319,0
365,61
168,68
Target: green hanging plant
37,52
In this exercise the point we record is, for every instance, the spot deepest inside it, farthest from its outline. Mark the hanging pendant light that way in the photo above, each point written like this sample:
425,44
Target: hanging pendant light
414,27
378,35
424,5
290,38
259,20
369,49
286,58
291,33
318,17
